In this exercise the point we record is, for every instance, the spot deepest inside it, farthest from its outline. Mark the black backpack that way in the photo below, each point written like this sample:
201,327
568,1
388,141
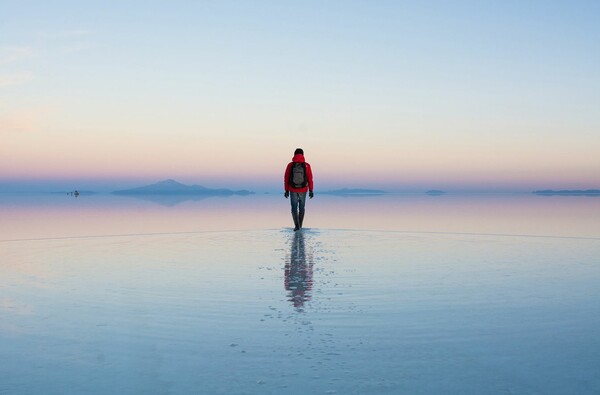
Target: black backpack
298,175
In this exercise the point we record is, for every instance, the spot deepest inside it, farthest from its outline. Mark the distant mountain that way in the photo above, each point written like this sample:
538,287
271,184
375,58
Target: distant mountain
172,187
435,192
569,192
353,191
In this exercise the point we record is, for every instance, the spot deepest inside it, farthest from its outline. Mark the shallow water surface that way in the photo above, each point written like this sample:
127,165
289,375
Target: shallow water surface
380,294
317,311
34,216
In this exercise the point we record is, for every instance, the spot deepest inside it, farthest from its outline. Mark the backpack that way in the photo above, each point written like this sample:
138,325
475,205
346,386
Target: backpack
298,175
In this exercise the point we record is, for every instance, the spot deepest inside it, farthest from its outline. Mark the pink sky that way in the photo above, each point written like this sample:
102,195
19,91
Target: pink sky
471,104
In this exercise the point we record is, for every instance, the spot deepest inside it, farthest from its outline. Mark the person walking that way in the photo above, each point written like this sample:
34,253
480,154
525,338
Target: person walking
298,180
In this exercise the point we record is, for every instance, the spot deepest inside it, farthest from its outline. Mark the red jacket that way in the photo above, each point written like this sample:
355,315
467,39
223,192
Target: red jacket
286,177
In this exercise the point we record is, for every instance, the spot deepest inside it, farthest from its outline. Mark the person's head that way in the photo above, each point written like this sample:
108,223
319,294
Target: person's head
299,151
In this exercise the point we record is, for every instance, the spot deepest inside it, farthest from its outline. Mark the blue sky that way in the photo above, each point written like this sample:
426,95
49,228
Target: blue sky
455,95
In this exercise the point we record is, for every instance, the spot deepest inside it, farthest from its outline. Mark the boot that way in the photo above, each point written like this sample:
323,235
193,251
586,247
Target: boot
300,219
296,224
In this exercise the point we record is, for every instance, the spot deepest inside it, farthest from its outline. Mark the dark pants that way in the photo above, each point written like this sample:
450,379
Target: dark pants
298,199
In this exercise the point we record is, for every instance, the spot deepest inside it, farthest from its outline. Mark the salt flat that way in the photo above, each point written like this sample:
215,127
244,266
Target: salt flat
318,311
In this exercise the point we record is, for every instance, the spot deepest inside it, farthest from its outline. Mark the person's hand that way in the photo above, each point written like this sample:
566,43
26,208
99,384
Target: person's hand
286,194
311,195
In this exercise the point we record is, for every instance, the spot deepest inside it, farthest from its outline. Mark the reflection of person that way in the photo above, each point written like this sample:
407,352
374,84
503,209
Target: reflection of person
297,181
298,272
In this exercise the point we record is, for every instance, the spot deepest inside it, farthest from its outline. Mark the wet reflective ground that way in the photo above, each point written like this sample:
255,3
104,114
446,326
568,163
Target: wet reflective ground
316,311
37,216
381,294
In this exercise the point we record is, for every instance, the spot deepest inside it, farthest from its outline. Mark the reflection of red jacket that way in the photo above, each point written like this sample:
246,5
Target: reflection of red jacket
286,177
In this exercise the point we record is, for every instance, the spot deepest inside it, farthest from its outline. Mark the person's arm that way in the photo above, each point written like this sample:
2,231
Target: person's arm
310,177
286,177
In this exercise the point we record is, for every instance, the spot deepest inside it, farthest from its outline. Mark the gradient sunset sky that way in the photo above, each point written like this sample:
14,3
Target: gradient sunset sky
399,95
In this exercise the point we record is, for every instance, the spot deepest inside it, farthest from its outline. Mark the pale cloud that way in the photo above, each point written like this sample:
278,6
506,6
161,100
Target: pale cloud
76,48
64,34
24,120
14,54
74,33
14,79
17,122
68,41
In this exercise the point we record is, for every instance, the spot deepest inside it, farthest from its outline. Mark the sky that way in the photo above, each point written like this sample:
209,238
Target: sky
398,95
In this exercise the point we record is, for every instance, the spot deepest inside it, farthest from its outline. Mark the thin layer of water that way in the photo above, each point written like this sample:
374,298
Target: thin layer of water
317,311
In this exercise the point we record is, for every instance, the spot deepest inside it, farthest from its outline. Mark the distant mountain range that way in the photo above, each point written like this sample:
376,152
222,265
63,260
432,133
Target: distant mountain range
569,192
362,191
172,187
353,191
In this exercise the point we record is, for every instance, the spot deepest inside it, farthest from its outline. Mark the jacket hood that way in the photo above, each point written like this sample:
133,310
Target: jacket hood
298,158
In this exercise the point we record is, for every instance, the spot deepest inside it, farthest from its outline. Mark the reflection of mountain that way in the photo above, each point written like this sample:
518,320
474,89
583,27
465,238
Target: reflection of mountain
566,192
435,192
172,200
80,192
172,187
353,192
